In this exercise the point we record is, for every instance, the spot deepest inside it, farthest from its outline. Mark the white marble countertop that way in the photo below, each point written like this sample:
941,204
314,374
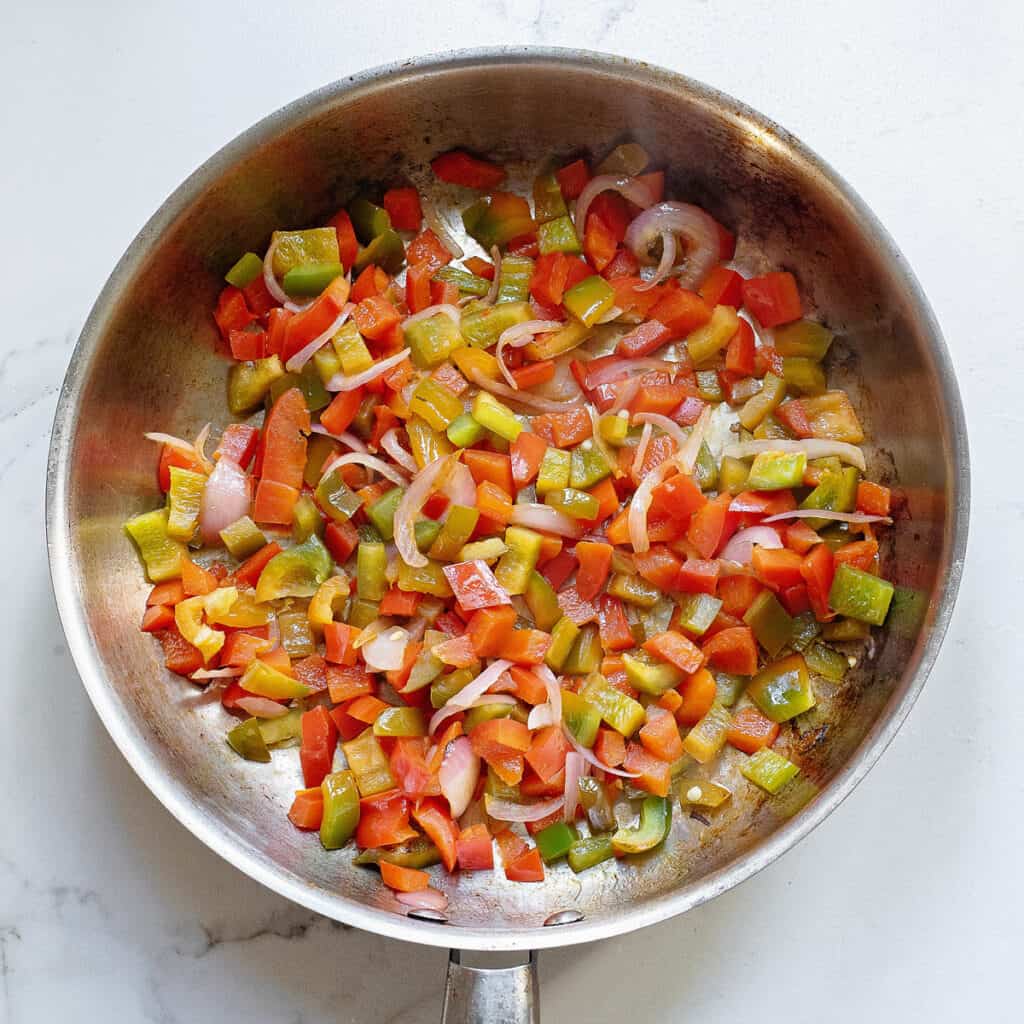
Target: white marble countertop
905,905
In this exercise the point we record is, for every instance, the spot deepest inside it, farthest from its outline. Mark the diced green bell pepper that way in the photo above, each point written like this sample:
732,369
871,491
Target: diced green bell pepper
245,271
558,235
542,602
563,636
519,560
369,764
707,737
776,471
361,612
805,630
161,554
243,538
284,727
297,572
845,631
655,819
486,713
467,283
432,340
580,717
729,687
382,512
783,690
766,401
442,690
585,656
589,852
836,492
312,245
351,350
802,339
769,770
246,740
859,595
400,721
555,469
308,382
555,841
296,634
368,219
336,498
386,251
803,376
497,219
267,681
456,530
318,450
732,475
427,579
311,278
707,341
484,325
495,416
697,612
464,431
514,280
618,709
371,564
570,502
634,590
548,203
826,662
705,470
771,623
306,519
341,809
589,300
648,675
249,383
587,466
426,531
417,853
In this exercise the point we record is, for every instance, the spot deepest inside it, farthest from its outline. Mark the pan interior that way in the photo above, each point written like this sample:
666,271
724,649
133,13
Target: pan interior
147,361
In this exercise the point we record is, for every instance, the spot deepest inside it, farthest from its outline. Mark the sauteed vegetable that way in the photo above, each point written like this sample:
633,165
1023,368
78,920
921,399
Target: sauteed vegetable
512,548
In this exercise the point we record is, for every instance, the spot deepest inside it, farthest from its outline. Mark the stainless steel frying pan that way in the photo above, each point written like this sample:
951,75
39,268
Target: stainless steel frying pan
146,361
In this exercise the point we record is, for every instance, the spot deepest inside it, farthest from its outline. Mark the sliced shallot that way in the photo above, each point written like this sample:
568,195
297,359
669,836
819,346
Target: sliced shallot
452,312
303,356
590,758
741,546
261,707
815,448
386,651
342,382
231,672
444,713
458,775
438,226
429,479
824,513
385,469
544,517
519,335
390,443
492,293
550,712
505,810
575,769
633,189
522,397
665,221
636,518
226,498
280,295
353,442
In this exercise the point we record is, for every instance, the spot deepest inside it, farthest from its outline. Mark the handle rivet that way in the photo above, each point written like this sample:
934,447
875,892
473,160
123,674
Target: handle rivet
563,917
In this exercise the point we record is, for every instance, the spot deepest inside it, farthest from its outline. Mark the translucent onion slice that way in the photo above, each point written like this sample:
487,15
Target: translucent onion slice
385,469
452,312
665,221
444,713
521,397
824,513
505,810
519,335
226,498
544,517
576,768
686,457
458,775
386,651
492,293
636,518
590,758
815,448
355,443
390,443
633,189
280,295
550,712
303,356
429,479
261,707
438,226
741,546
341,382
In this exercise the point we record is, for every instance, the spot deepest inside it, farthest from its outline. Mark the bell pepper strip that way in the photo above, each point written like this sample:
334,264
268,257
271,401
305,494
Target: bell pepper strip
773,298
698,693
708,736
589,852
247,741
319,740
859,595
783,690
750,730
161,554
655,819
457,167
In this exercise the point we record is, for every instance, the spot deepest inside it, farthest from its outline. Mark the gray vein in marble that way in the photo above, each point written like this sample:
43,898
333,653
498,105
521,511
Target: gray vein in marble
288,922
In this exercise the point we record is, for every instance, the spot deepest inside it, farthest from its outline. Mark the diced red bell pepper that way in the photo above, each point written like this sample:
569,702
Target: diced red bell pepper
403,207
427,248
676,649
750,731
722,287
659,565
737,593
248,573
644,339
410,769
739,354
573,178
457,167
474,850
613,625
527,867
698,693
558,569
417,287
232,312
698,576
711,526
307,810
599,242
526,454
319,741
547,750
681,311
678,498
303,327
660,736
595,562
873,498
773,298
655,775
777,568
475,586
383,821
348,244
432,817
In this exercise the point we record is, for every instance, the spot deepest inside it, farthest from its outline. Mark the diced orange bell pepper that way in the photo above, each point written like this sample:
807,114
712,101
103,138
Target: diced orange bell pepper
660,736
676,649
654,775
750,730
733,650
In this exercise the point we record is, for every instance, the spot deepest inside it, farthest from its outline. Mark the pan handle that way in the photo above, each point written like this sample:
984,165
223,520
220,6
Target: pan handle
497,995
